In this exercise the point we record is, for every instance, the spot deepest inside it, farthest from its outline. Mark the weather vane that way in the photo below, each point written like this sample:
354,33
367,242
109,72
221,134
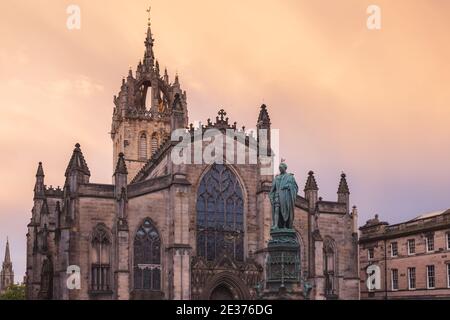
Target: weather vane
148,11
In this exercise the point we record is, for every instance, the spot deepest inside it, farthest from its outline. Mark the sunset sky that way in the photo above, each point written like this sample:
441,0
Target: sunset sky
372,103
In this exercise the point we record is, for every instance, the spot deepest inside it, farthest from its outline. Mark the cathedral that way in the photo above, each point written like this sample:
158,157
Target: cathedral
164,230
7,273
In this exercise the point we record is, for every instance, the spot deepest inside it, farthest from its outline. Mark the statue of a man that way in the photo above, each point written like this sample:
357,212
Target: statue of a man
282,197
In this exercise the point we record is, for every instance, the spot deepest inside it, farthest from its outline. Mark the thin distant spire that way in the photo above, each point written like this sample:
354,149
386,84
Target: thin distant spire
7,259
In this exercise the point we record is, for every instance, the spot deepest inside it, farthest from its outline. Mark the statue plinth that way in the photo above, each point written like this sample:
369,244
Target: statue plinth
283,263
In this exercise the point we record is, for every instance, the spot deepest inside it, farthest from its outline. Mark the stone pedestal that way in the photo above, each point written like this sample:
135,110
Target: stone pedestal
283,264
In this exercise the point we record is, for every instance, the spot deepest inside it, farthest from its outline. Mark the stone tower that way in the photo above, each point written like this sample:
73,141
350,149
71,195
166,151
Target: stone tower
7,273
147,109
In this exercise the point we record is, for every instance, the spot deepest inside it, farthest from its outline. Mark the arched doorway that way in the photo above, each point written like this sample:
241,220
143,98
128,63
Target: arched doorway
221,292
226,286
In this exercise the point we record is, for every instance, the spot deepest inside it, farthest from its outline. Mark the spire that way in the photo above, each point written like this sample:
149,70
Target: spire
344,192
40,170
311,183
263,118
343,186
157,67
166,76
7,259
149,55
77,162
121,167
39,188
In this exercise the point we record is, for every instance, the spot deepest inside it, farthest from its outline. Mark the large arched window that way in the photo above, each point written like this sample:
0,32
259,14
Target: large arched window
100,259
147,258
220,215
143,146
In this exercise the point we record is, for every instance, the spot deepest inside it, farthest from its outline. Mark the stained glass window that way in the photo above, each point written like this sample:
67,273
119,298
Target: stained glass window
220,215
147,258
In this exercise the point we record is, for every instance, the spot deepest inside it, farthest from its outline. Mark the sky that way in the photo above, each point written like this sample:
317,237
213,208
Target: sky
372,103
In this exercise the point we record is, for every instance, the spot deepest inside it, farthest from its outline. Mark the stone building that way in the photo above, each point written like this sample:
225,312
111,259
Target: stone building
7,273
177,231
413,258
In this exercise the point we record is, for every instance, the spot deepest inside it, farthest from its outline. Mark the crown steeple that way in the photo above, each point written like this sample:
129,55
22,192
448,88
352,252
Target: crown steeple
148,99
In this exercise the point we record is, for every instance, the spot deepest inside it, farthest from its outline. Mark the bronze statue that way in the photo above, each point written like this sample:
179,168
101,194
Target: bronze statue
282,197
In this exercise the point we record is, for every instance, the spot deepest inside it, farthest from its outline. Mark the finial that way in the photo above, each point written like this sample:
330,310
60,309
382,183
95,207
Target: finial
343,186
311,183
121,166
222,113
77,146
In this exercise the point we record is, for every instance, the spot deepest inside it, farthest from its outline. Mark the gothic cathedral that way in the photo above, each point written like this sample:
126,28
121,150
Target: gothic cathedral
176,231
